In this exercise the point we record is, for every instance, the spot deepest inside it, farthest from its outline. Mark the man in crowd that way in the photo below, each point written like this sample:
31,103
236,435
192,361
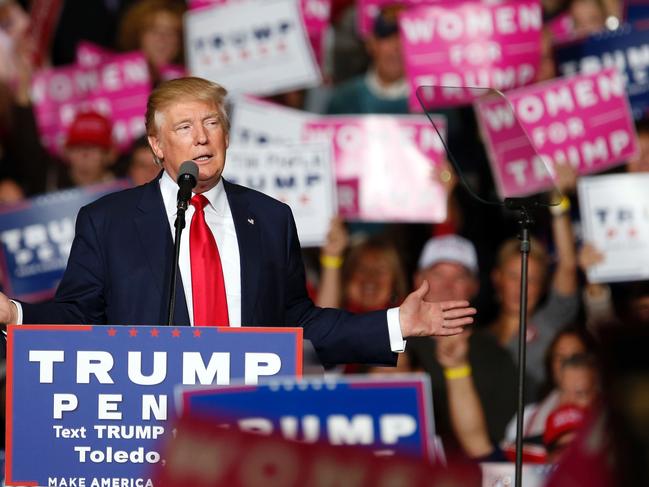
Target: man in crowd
239,263
450,265
87,156
383,89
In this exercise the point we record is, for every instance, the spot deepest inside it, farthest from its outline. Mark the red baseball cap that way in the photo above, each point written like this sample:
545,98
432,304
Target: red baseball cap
90,128
565,419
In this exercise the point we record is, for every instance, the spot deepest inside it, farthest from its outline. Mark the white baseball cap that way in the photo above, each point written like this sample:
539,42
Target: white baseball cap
449,248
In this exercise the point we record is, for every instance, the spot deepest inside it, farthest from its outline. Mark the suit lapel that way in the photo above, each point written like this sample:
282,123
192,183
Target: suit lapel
249,241
157,246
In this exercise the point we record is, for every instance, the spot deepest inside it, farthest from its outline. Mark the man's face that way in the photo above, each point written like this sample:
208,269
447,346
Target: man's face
448,281
142,167
191,130
507,282
567,346
89,164
578,385
387,57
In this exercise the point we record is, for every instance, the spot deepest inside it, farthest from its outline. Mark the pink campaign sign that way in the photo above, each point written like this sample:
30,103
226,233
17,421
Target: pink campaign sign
196,4
562,28
384,166
368,10
315,14
117,88
469,44
582,120
90,55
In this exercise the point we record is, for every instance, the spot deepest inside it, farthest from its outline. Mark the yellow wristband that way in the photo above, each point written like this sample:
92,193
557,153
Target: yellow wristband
457,372
331,261
562,208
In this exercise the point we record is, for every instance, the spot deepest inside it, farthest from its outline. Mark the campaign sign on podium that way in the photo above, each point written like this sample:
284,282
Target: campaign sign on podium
88,405
389,415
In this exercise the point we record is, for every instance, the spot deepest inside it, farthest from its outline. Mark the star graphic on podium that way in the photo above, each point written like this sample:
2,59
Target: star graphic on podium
197,332
175,333
133,332
112,332
155,333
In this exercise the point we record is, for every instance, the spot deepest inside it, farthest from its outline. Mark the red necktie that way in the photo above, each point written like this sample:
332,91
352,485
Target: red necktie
208,286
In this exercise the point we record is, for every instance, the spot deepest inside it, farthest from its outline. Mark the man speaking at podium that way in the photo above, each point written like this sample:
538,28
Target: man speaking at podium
240,261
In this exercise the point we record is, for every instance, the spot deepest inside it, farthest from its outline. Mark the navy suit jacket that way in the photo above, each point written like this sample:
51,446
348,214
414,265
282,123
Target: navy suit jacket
119,270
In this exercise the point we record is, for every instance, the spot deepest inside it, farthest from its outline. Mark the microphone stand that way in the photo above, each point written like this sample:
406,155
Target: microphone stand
179,226
523,206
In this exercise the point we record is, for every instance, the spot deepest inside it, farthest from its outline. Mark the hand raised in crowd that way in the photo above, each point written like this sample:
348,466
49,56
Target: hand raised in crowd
565,178
337,238
331,259
8,311
24,58
423,318
453,351
589,256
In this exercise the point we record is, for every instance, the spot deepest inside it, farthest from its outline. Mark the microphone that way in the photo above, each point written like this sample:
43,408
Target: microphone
187,178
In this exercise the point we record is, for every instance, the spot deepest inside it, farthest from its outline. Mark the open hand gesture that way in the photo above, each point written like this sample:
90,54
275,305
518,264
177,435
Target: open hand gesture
422,318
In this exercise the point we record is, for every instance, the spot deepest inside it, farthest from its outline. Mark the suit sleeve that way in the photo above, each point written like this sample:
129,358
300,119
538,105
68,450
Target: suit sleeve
338,336
80,297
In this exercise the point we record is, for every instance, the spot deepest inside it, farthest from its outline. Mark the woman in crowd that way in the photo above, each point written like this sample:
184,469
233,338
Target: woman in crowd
369,278
570,380
544,319
155,28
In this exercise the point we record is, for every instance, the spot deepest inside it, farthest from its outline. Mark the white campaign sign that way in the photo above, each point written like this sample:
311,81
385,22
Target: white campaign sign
258,122
257,47
615,216
299,175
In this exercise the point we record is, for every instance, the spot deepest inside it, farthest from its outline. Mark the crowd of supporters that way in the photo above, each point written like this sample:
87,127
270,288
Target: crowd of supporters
473,255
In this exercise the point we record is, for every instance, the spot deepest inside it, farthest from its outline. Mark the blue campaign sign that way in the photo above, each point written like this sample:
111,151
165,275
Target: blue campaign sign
624,49
88,405
637,11
391,415
36,236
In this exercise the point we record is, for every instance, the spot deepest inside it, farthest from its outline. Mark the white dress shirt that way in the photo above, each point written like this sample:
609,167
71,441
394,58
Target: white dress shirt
219,219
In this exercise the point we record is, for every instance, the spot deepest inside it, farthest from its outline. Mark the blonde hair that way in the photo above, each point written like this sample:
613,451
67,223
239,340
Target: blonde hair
184,89
388,250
